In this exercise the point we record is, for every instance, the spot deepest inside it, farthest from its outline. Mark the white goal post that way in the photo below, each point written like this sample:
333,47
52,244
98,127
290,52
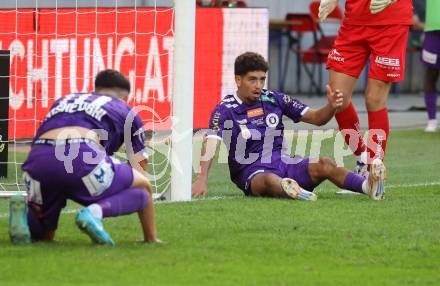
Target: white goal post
57,47
183,100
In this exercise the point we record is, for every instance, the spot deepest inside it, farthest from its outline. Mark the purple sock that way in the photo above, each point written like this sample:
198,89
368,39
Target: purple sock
353,182
125,202
431,104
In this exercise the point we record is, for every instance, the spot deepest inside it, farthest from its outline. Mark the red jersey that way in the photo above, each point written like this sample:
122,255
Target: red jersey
357,12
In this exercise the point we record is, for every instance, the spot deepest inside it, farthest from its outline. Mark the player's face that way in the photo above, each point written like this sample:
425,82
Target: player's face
250,85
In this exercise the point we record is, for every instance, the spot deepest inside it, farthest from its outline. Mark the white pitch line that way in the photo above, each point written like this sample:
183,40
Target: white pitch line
414,185
216,198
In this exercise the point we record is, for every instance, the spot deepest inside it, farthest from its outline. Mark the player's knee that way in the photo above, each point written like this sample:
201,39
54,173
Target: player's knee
375,101
265,184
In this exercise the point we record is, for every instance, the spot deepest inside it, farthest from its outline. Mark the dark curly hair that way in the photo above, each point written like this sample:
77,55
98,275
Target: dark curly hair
248,62
110,79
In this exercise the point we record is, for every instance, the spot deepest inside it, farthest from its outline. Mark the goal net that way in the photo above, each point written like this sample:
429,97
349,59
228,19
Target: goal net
57,47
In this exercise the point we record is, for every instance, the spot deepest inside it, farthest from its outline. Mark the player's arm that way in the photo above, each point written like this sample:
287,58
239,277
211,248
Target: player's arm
147,215
209,147
418,25
138,162
137,157
136,147
323,115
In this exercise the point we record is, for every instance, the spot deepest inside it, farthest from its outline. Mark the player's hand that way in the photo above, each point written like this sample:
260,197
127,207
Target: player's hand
199,188
325,8
335,98
378,5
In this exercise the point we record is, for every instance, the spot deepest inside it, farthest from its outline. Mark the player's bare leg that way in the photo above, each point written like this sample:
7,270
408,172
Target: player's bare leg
137,198
376,95
267,185
345,83
325,169
271,185
348,119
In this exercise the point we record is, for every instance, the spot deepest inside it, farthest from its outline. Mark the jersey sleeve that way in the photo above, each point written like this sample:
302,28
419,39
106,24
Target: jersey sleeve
216,123
292,107
138,136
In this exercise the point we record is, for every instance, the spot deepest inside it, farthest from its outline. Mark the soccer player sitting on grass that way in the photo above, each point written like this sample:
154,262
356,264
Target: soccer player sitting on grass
70,159
250,123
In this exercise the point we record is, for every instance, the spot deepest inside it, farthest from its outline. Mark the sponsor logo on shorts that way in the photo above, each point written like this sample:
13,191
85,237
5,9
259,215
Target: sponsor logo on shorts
33,189
429,58
99,179
389,62
336,56
393,75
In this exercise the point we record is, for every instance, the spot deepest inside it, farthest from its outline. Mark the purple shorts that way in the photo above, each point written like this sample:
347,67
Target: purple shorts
87,178
297,168
430,54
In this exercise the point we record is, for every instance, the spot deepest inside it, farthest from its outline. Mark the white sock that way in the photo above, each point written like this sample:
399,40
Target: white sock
365,186
96,211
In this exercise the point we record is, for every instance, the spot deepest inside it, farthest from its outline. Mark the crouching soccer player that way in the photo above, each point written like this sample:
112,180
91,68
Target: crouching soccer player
70,159
250,123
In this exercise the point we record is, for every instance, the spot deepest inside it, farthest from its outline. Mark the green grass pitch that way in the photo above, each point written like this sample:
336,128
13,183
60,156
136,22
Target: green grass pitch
228,239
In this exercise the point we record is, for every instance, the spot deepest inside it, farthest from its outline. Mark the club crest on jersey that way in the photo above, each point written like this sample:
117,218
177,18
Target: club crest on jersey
255,112
272,120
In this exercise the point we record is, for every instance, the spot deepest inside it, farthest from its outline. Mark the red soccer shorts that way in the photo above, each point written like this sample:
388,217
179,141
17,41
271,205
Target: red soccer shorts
385,45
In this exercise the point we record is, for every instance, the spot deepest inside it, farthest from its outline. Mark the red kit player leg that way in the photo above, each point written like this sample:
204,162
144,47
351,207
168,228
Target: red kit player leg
375,30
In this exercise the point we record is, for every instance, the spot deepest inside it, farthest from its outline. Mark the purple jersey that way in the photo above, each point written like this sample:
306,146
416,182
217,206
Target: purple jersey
253,133
105,114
